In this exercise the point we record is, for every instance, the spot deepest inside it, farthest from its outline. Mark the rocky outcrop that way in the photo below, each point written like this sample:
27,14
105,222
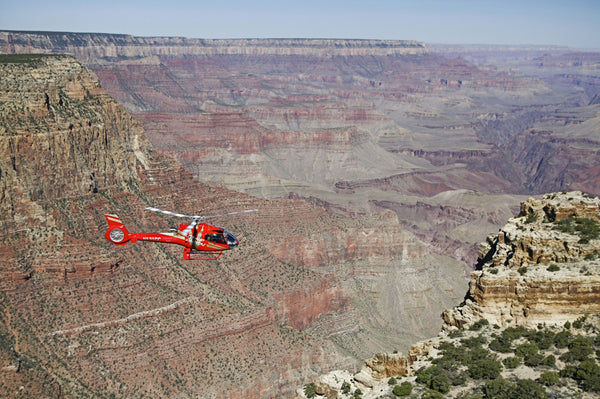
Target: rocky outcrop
536,270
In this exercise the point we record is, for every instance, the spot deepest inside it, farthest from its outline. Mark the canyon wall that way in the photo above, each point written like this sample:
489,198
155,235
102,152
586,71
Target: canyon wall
94,46
536,271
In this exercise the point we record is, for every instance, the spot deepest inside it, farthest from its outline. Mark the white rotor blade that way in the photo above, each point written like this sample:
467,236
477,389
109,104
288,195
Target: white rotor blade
230,213
172,213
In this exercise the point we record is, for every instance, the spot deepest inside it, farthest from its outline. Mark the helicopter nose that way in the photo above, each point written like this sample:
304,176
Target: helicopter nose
232,241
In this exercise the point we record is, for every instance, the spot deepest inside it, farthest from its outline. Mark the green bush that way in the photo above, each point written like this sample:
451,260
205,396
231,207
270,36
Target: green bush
346,387
528,389
587,229
431,394
549,378
522,270
569,371
434,377
543,339
579,349
579,322
392,381
487,369
526,349
553,268
478,325
498,388
562,339
534,360
440,382
403,389
310,390
473,342
501,344
549,361
588,374
512,333
511,362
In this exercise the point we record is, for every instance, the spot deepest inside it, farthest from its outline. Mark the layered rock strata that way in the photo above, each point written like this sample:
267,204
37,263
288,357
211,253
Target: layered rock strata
93,46
533,271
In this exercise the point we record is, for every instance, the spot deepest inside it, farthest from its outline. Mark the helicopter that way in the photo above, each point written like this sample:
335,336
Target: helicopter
194,237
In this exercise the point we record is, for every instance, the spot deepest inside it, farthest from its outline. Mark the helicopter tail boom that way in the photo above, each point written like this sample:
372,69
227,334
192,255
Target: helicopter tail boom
117,233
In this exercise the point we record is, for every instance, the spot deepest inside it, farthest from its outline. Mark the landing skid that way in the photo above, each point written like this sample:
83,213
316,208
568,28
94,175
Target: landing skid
187,254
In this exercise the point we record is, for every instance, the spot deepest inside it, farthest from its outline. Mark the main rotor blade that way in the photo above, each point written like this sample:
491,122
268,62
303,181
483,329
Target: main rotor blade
230,213
172,213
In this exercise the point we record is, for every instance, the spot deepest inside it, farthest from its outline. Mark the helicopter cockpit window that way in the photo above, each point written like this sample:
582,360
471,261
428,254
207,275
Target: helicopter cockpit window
216,238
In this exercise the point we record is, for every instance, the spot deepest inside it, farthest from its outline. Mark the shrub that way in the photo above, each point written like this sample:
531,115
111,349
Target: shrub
500,344
431,394
473,342
522,270
498,388
562,339
392,381
478,325
550,361
543,339
403,389
579,322
526,349
511,362
310,390
424,375
440,382
532,217
528,389
512,333
549,378
488,369
534,360
435,378
579,349
346,387
588,374
587,229
553,268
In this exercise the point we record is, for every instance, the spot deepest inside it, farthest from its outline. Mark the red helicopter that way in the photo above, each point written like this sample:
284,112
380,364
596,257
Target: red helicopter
195,236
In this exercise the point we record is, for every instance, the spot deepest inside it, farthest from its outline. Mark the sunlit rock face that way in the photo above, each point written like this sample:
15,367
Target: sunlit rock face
532,271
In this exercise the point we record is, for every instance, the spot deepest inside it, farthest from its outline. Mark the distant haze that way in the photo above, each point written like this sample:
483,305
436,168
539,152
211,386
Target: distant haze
573,23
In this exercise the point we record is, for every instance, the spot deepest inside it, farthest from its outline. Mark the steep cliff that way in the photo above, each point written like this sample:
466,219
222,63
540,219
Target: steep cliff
542,267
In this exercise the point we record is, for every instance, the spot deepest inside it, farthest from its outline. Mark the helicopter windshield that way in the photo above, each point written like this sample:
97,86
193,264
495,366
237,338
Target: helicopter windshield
232,241
216,238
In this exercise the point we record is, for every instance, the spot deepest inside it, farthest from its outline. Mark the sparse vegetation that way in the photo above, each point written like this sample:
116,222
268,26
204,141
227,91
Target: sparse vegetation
553,268
310,390
403,389
586,228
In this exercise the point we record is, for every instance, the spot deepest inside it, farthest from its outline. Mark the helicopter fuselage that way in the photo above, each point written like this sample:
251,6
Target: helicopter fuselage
200,237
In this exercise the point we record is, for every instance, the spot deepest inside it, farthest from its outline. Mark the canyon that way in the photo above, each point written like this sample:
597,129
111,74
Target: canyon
377,167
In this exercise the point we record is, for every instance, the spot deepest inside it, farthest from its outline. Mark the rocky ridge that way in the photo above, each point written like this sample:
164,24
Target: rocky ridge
531,275
95,46
531,272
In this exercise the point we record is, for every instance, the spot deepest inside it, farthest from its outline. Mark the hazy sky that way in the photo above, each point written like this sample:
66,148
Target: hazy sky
575,23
